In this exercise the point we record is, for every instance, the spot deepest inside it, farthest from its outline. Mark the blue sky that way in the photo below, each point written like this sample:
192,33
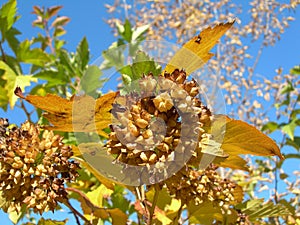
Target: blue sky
87,19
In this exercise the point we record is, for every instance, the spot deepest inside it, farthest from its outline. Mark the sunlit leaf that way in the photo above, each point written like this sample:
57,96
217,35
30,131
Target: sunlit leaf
295,143
43,221
195,53
8,13
295,70
108,183
289,128
256,209
91,81
59,31
60,21
13,81
242,138
34,56
204,213
92,210
287,88
270,126
52,11
82,55
79,114
138,32
233,162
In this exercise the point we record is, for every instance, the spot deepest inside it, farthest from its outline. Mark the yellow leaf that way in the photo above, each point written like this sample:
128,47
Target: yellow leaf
161,216
242,138
195,53
205,213
79,114
237,137
108,183
92,210
233,162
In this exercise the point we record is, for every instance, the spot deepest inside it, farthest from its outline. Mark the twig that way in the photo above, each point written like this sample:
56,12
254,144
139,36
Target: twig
151,211
2,52
76,213
28,114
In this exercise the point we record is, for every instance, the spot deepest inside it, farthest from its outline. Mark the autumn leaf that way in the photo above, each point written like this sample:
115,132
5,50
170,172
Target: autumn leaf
195,53
93,210
242,138
79,114
236,138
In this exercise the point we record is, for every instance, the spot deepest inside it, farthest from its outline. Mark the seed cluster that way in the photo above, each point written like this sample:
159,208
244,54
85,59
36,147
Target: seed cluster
201,185
33,169
160,123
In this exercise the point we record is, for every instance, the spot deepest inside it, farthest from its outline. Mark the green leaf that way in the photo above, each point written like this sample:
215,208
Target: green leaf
11,39
289,128
65,60
82,55
12,81
119,202
8,12
142,65
53,77
34,56
255,209
90,81
294,143
295,70
59,31
3,98
138,32
288,88
114,57
294,113
43,221
270,127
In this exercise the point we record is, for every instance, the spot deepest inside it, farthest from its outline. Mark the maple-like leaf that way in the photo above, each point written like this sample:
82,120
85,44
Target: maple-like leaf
79,114
195,53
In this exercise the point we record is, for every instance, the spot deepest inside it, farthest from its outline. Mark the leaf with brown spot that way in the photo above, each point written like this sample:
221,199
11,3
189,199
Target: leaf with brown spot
195,53
79,114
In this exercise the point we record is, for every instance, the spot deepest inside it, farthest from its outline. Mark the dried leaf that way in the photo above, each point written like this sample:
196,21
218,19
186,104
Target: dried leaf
195,53
79,114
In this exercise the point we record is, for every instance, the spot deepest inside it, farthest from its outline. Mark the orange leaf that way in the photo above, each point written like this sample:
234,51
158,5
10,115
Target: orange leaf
233,162
242,138
79,114
195,53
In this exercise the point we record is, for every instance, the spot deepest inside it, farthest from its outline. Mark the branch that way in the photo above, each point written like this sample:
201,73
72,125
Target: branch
151,211
2,52
76,213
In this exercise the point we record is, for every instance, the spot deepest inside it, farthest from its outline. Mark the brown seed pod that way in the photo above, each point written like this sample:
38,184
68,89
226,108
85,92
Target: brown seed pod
36,166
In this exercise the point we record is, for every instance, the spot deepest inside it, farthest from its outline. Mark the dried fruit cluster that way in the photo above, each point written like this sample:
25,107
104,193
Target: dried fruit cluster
33,169
202,186
160,123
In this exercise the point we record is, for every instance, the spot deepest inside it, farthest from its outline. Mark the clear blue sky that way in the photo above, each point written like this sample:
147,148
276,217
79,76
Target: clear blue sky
87,19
